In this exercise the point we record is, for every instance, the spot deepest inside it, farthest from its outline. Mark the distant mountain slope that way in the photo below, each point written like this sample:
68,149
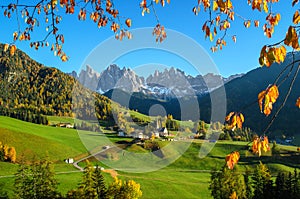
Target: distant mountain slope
243,91
240,93
29,86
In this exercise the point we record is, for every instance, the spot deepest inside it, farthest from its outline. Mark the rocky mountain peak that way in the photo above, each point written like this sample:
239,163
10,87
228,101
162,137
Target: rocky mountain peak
114,77
89,77
170,82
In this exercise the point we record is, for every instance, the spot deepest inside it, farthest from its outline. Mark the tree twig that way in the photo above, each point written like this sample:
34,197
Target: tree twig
285,100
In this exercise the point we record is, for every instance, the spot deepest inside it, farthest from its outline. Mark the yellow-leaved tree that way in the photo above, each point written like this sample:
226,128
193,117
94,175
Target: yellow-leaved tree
124,189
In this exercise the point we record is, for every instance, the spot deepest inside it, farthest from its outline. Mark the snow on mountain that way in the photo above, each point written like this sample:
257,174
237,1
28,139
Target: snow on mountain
171,83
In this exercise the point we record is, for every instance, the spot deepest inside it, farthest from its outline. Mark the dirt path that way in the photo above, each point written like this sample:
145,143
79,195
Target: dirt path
112,172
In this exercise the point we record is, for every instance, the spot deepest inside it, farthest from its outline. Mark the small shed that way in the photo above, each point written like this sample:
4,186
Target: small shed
69,161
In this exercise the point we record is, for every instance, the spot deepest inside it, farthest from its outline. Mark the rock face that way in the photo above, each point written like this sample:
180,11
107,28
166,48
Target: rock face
171,83
89,78
125,79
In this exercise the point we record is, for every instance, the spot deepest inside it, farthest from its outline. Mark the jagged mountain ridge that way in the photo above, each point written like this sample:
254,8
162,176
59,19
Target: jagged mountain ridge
171,83
241,95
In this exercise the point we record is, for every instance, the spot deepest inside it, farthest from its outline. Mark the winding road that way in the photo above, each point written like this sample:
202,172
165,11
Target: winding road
75,164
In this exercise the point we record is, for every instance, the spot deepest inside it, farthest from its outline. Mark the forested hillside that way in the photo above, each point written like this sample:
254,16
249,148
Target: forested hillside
28,88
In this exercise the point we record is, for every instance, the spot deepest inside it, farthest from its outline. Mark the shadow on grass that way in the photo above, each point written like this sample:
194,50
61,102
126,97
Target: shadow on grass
291,160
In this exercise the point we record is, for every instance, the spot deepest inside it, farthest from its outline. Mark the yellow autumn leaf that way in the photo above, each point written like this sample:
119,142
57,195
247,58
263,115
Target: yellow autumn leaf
229,4
227,118
261,97
215,6
291,38
265,144
211,37
267,98
255,145
247,23
234,120
273,93
232,159
64,58
296,17
259,149
239,122
267,105
265,6
270,57
280,54
128,22
242,117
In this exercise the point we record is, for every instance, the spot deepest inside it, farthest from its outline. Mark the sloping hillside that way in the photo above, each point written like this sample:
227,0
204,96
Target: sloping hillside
28,86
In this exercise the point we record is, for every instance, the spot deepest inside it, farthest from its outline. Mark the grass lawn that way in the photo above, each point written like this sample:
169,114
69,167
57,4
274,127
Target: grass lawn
33,140
169,183
187,177
57,119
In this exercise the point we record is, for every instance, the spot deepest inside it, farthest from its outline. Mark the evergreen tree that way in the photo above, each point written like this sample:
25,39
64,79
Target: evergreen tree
23,182
295,185
99,184
227,183
262,183
249,190
280,189
46,184
287,186
87,187
36,181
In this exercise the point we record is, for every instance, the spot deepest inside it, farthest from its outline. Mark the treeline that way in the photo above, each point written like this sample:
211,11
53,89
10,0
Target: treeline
259,184
7,153
87,127
25,115
28,85
38,181
216,130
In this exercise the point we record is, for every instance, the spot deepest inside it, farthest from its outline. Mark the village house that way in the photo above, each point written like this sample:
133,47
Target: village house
163,132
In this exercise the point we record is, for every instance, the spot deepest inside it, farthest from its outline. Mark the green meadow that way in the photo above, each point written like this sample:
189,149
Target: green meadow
186,177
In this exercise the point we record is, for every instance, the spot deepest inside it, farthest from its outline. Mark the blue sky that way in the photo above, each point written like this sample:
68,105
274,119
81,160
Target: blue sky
81,38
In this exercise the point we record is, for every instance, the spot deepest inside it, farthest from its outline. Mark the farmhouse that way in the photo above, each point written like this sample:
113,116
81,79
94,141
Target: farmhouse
65,125
163,132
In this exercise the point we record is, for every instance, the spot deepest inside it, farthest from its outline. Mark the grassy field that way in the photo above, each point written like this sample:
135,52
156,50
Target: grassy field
57,120
186,177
